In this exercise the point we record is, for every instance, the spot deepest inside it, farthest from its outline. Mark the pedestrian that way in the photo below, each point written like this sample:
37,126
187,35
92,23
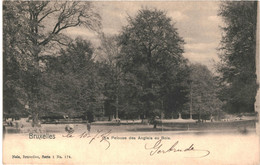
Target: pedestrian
4,132
69,128
211,118
154,123
88,126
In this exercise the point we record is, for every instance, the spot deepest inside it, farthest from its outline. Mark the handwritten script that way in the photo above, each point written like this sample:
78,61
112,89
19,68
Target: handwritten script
100,135
154,149
159,148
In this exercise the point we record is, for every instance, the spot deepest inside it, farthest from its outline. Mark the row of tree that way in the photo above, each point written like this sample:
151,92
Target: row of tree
140,73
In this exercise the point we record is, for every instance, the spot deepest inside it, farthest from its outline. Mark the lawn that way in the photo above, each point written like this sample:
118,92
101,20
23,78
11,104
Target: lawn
234,126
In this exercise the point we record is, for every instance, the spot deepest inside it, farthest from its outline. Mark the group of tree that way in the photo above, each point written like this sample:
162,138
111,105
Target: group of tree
139,73
33,30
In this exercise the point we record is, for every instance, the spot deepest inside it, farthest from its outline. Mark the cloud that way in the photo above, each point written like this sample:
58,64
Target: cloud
83,33
194,56
110,31
207,59
177,15
200,46
78,31
214,18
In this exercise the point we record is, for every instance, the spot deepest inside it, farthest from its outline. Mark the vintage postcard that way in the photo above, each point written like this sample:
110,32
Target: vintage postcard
131,82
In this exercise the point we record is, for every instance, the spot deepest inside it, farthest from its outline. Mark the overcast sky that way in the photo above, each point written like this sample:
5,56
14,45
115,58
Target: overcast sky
197,23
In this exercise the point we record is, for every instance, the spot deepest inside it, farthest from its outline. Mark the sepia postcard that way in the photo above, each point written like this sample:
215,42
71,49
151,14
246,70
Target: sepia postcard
131,82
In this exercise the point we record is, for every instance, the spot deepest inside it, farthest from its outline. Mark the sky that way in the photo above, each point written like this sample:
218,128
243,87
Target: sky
197,22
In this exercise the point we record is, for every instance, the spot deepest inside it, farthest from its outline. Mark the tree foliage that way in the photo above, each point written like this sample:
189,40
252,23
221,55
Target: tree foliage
139,73
203,90
111,74
34,29
151,51
71,81
237,53
14,61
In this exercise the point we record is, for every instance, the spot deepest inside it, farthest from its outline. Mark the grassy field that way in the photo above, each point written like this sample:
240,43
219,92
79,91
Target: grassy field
234,126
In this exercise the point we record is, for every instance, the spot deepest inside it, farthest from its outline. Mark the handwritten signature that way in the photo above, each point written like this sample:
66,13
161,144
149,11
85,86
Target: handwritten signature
157,148
100,135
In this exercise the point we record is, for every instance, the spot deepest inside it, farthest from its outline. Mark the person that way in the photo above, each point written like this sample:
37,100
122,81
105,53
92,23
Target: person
69,128
4,132
211,118
88,126
155,122
118,121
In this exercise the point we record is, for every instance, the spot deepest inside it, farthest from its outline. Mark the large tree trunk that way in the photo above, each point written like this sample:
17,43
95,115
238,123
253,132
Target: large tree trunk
35,95
36,74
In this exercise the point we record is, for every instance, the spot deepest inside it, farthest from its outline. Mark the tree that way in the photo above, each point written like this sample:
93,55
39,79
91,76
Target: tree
71,82
14,62
151,51
111,73
42,24
237,53
203,92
